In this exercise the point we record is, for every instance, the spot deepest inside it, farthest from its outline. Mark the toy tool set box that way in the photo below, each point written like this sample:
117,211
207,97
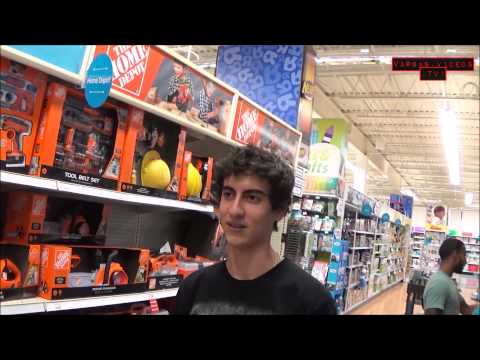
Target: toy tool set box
83,271
196,179
78,144
29,217
153,157
22,90
19,271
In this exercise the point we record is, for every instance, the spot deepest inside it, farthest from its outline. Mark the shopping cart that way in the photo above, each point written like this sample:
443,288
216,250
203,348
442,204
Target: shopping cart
415,289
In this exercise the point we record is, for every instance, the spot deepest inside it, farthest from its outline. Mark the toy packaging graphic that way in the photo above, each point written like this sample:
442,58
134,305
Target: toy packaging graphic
327,157
19,271
149,74
155,163
22,92
196,178
252,126
39,218
82,271
78,144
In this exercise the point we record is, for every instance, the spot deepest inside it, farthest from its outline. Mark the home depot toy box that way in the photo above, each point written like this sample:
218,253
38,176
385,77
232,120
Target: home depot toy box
196,179
154,151
19,271
83,271
22,91
78,144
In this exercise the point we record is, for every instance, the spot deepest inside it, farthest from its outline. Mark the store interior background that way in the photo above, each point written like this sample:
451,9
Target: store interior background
395,143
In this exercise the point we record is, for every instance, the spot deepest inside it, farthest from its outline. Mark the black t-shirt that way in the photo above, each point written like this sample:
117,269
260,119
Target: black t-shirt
285,289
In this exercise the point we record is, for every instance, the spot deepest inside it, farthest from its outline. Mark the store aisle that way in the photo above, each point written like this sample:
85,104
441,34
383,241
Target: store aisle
392,302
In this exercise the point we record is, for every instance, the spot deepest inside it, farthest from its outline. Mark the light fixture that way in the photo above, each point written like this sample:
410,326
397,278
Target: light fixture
468,198
409,192
364,51
451,51
448,124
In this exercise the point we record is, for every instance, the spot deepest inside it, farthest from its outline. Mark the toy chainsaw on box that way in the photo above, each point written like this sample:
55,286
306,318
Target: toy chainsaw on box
10,275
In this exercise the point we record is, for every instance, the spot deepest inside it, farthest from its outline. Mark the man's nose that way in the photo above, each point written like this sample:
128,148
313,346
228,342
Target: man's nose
236,209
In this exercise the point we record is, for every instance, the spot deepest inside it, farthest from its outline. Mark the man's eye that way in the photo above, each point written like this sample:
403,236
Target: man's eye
227,194
253,198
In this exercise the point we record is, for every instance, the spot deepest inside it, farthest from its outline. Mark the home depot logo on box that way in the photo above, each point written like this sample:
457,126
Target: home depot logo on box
62,257
247,122
129,64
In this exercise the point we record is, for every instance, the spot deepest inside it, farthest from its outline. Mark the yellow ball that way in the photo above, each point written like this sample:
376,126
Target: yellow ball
156,174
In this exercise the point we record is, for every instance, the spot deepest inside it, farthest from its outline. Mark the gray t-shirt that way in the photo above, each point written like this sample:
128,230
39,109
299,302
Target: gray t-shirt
441,293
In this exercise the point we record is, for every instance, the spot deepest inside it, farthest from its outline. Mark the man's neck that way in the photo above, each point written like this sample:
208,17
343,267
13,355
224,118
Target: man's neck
250,263
446,269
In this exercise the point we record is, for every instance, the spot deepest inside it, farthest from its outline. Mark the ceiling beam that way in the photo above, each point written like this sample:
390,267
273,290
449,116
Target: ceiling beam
403,96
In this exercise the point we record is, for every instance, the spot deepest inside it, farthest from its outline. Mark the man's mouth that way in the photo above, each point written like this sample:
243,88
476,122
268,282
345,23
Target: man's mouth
236,226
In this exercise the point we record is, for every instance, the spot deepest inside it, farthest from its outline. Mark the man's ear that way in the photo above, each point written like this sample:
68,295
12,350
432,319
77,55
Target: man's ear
279,214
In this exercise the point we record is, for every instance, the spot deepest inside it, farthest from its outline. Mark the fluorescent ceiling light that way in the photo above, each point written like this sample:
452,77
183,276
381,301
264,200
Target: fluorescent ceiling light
332,60
451,51
468,198
448,124
364,51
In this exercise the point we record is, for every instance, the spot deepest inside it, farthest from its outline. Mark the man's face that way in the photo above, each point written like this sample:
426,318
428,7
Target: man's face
178,69
461,261
245,211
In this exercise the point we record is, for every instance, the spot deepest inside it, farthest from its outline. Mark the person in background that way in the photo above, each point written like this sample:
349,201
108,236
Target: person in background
254,190
441,296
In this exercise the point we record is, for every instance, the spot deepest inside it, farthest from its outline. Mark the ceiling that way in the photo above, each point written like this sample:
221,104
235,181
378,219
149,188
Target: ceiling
398,114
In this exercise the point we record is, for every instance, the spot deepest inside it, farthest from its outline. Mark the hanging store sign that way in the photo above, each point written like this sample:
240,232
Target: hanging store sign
98,81
154,76
327,157
252,126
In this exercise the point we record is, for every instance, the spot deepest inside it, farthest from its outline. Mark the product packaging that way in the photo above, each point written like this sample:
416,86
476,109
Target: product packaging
83,271
79,144
22,93
19,271
196,178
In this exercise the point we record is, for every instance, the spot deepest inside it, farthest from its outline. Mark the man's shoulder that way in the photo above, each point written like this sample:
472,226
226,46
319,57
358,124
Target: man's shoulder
206,273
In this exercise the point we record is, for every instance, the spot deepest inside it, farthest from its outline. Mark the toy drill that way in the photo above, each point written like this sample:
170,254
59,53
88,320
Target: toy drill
15,128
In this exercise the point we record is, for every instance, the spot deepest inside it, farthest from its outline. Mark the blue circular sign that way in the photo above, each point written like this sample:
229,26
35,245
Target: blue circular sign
398,222
385,218
98,81
366,209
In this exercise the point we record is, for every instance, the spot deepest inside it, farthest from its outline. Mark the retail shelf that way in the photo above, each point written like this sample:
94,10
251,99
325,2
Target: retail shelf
361,232
94,192
360,248
436,231
471,272
415,256
357,265
318,196
36,305
475,251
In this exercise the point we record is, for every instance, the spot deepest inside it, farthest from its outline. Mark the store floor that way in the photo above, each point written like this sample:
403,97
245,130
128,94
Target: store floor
393,301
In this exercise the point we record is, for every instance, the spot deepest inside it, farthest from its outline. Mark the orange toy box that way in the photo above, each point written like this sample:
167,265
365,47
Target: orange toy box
22,91
153,164
83,271
19,271
29,217
196,179
78,144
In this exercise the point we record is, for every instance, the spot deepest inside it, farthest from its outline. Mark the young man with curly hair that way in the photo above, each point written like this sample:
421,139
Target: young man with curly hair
254,189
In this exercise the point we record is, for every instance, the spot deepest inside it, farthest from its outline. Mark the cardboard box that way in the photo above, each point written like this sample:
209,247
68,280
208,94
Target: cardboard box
83,271
78,144
21,279
204,166
22,93
153,161
38,218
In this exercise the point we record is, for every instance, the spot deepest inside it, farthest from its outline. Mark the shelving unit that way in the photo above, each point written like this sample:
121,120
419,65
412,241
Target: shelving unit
416,246
39,305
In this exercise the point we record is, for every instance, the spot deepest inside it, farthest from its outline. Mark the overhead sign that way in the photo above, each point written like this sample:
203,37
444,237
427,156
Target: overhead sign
98,81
